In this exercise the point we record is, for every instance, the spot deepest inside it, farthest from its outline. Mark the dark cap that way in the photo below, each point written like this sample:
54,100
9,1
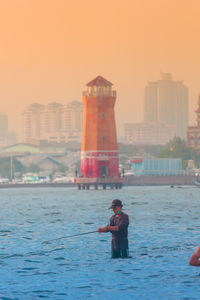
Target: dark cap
116,202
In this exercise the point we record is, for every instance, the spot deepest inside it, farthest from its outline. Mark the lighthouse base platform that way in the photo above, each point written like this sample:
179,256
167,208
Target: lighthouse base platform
104,183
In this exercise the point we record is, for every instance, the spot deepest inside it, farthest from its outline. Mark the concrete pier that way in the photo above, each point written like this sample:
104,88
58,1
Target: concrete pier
96,183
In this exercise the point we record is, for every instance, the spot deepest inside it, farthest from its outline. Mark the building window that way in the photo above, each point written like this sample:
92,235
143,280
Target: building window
103,138
103,115
191,140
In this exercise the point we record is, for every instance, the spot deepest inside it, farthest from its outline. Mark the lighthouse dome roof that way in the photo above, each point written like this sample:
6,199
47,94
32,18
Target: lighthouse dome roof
99,81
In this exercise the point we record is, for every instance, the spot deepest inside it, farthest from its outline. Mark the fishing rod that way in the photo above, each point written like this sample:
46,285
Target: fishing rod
69,236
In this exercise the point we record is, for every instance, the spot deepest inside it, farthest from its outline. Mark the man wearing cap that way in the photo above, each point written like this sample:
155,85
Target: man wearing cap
118,226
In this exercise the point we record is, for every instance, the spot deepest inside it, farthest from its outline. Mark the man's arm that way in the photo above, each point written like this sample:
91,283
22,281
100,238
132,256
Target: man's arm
108,228
194,260
113,228
103,229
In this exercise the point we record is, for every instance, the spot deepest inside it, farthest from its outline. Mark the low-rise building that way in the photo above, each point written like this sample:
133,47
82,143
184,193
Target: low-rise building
148,133
157,166
193,132
48,159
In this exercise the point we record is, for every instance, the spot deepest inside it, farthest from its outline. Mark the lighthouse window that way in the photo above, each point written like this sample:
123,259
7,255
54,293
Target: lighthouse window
103,138
191,140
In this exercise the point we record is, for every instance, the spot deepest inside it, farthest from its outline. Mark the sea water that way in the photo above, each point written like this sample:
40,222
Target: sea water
164,231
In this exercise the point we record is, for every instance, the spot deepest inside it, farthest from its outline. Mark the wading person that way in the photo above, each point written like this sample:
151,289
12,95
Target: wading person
195,258
118,226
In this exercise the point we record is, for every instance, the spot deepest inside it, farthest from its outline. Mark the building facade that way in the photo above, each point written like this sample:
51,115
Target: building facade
53,123
50,118
166,102
193,132
99,152
3,128
157,166
72,117
31,122
148,133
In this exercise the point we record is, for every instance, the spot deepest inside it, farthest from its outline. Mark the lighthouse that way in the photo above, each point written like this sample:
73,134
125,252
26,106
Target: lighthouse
99,152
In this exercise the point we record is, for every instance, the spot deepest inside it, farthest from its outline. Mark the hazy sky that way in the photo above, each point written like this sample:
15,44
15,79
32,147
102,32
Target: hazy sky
51,48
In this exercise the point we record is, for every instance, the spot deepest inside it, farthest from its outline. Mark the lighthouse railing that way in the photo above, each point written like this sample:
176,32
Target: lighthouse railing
99,93
83,180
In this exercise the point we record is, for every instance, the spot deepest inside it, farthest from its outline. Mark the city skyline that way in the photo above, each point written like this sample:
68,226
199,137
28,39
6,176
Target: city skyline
140,118
146,111
51,49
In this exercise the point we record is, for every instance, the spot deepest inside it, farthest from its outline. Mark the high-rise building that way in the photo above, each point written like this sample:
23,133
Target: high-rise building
3,130
54,123
72,117
3,126
50,119
6,137
31,123
166,102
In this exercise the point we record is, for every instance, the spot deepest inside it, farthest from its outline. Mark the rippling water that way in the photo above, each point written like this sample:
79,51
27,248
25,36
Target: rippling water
163,233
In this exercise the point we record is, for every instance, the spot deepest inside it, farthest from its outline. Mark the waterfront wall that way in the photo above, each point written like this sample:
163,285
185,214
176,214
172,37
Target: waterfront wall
159,180
37,185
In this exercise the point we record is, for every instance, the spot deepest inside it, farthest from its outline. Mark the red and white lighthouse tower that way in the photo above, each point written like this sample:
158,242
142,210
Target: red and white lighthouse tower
99,153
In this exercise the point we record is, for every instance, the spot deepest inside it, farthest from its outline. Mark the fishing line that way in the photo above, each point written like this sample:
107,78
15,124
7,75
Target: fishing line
69,236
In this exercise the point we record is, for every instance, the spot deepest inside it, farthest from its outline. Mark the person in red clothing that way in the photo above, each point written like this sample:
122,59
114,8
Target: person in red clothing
118,226
195,258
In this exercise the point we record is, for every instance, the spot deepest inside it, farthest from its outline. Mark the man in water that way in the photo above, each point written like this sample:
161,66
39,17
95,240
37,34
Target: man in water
118,226
195,258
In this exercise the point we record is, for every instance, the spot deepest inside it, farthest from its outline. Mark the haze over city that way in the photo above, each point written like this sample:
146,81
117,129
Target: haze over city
99,149
51,49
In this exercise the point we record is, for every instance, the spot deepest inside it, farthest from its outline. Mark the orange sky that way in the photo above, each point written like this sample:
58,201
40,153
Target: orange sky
51,48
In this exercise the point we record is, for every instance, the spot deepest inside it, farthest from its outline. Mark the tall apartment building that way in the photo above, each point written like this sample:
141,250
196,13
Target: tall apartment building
72,117
31,122
55,123
3,126
3,129
50,119
6,137
166,102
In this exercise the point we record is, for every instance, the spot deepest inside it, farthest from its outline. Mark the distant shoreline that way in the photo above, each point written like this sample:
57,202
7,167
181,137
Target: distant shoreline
36,185
146,180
